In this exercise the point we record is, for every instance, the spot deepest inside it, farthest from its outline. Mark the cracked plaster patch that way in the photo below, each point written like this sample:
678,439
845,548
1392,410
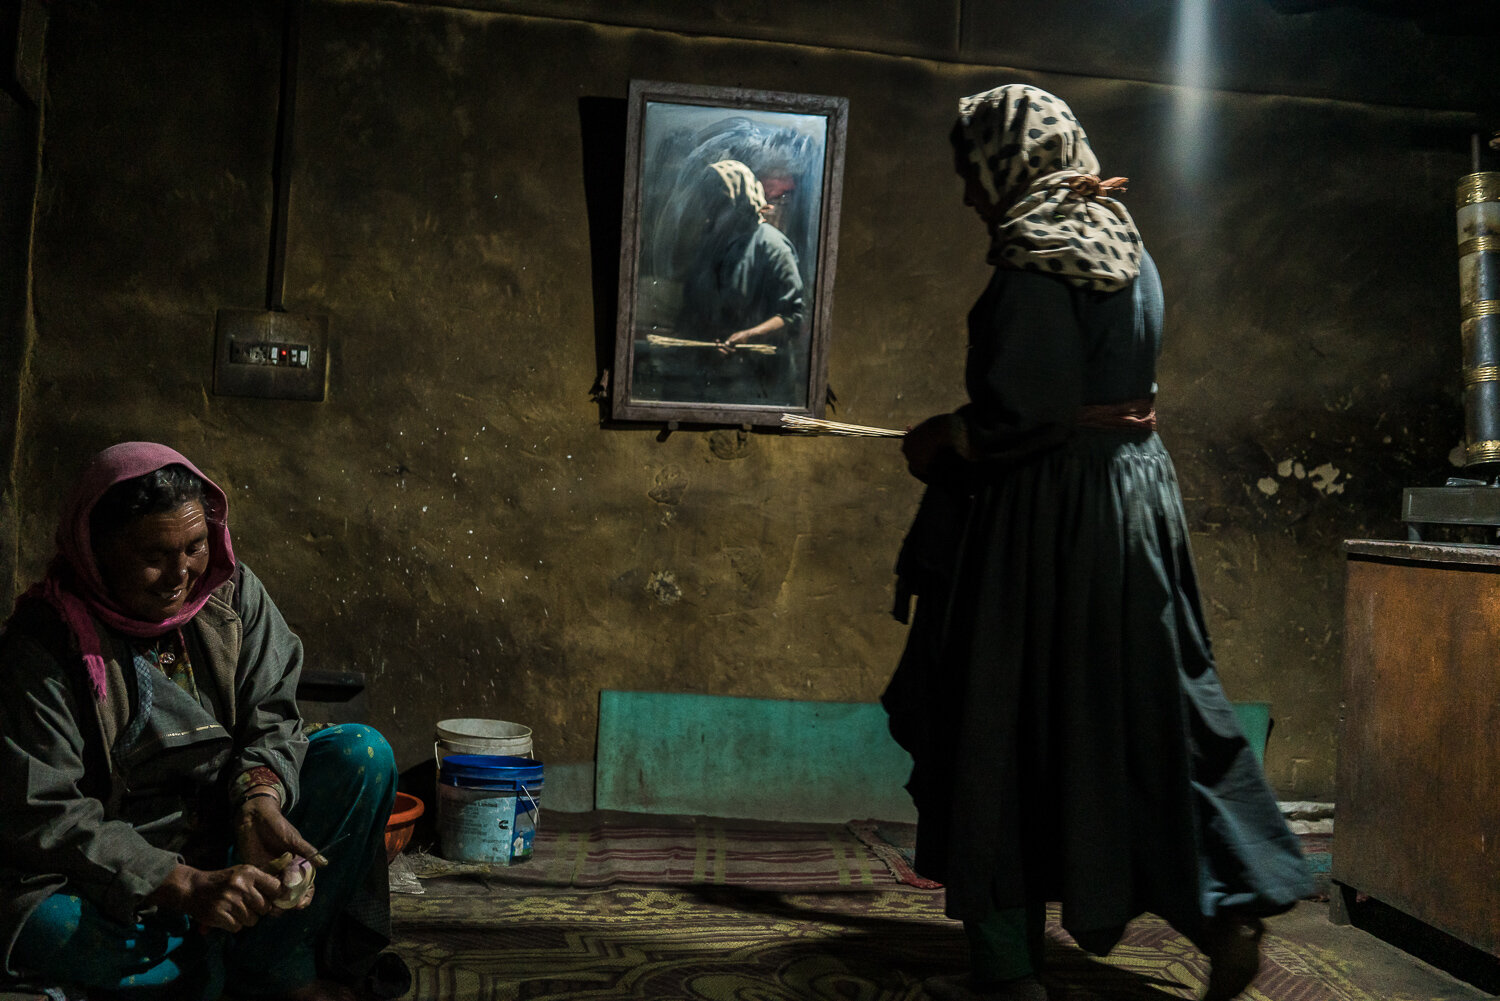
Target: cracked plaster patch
1324,478
664,588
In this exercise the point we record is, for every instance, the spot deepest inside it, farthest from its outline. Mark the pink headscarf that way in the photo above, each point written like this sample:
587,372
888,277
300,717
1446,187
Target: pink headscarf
75,587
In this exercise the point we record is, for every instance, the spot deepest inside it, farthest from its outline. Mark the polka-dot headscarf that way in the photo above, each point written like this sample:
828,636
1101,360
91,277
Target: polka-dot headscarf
1035,163
746,197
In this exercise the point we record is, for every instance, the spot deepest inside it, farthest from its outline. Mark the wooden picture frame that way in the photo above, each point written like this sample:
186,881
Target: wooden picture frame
728,249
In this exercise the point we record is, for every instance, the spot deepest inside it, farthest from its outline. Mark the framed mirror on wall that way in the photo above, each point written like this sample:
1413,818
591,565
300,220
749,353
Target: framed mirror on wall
727,255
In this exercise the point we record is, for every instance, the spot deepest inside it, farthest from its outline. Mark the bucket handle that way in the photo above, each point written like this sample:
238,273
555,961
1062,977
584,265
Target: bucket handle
437,756
536,810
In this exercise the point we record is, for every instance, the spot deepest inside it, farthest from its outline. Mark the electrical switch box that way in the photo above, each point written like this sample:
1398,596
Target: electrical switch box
270,354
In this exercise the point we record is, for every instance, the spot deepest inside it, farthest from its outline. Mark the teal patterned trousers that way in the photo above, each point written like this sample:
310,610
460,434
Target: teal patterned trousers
348,785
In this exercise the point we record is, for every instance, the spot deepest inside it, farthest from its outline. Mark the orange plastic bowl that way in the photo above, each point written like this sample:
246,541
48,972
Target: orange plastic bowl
403,821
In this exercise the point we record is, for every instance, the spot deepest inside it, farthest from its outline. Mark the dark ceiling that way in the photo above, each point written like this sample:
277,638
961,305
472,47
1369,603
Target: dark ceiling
1448,17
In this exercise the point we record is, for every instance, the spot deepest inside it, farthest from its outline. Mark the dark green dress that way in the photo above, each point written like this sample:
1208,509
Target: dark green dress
1058,693
745,280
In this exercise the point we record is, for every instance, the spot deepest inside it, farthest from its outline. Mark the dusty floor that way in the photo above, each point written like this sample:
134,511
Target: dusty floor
1379,967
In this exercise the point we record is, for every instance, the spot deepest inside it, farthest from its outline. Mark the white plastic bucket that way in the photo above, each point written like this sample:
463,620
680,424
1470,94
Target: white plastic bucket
494,737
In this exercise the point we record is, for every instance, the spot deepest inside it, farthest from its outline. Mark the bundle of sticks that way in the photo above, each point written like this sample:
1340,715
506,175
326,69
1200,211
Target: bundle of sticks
812,425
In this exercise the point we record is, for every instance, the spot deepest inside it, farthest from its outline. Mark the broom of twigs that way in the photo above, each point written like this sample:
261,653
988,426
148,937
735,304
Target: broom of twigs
812,425
663,341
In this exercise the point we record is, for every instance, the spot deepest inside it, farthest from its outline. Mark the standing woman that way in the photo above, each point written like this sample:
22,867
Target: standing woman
1070,738
743,290
164,812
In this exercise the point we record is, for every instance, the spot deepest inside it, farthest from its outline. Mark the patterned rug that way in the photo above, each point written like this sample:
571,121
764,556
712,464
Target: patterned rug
1318,850
739,944
606,847
720,918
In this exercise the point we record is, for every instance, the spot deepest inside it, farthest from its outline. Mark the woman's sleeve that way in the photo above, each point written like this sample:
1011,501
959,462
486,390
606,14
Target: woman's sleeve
54,821
269,728
1025,368
784,278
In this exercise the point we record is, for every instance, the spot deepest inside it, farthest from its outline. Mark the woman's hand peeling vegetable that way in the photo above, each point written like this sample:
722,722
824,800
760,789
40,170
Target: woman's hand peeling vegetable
296,874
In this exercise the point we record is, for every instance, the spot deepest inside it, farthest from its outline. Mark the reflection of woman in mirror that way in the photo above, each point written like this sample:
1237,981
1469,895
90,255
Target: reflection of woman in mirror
743,289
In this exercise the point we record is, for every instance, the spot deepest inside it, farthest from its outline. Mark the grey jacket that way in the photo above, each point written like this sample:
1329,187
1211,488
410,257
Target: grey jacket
103,799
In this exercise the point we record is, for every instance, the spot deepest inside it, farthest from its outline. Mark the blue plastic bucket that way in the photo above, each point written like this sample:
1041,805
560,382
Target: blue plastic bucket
488,807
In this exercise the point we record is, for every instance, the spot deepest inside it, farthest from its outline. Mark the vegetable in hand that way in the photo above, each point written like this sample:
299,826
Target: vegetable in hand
296,874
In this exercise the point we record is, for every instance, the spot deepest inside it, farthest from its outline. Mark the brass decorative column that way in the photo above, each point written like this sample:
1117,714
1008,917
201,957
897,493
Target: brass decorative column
1478,203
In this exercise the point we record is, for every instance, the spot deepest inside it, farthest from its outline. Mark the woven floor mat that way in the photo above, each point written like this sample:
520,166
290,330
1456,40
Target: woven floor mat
604,848
713,943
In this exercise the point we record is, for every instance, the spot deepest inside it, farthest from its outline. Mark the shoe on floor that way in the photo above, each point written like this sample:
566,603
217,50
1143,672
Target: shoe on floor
1233,947
960,987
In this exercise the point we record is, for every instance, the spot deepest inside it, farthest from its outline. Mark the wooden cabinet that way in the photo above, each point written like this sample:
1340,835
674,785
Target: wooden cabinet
1418,801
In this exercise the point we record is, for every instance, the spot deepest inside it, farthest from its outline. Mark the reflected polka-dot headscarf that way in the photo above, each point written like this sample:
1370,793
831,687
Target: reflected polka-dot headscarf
1035,163
746,196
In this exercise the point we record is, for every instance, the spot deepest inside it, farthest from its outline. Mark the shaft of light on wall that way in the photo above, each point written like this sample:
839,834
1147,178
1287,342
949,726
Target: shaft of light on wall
1189,135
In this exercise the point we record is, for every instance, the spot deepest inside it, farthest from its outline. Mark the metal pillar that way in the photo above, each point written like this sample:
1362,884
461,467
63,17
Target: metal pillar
1478,204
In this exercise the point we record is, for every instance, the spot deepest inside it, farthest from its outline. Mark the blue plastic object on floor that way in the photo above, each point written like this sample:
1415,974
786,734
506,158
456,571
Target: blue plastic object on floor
1255,722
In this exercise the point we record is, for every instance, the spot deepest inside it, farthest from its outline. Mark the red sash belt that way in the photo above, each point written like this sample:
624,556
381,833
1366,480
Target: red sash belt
1132,415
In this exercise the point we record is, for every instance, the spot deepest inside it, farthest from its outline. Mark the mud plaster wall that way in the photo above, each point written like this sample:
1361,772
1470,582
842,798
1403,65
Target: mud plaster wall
454,521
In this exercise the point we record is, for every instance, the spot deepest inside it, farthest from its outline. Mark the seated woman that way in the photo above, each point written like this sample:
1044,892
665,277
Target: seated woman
164,810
